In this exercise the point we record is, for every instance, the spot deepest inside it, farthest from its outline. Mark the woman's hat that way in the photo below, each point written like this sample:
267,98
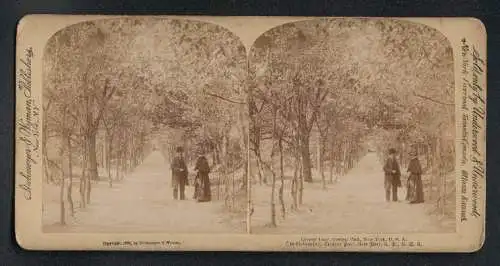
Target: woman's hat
392,151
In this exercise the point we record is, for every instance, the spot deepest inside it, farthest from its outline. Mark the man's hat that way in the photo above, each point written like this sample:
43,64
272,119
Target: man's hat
179,149
392,151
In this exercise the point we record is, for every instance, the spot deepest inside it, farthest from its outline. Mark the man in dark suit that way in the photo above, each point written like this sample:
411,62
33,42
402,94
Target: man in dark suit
179,174
392,176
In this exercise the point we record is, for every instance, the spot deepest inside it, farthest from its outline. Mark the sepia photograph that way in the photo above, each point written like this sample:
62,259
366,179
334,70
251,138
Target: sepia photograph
353,128
144,128
250,133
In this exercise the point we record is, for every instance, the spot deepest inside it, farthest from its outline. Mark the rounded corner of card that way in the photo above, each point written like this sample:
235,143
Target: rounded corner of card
475,245
479,25
23,240
25,20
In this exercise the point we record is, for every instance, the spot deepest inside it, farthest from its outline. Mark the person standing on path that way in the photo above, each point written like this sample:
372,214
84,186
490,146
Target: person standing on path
415,190
179,175
203,191
392,178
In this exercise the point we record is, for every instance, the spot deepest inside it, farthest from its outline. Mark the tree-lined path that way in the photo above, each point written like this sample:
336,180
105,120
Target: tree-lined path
355,204
324,92
116,88
143,202
283,117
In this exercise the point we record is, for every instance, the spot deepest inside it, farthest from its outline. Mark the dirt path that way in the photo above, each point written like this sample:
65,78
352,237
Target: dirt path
143,202
356,204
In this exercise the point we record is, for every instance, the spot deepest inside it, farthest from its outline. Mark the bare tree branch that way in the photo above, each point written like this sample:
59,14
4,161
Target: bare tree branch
222,98
433,100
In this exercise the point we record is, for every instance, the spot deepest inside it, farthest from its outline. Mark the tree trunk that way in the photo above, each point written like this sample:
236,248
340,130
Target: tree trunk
83,177
249,191
100,149
321,164
318,152
61,192
105,150
218,154
262,177
214,156
345,158
245,174
332,166
442,174
224,146
273,197
428,156
70,176
259,169
130,157
61,199
89,188
294,185
233,190
44,145
431,183
45,157
117,166
91,164
48,176
256,146
122,165
322,172
301,184
109,146
244,178
440,177
92,153
306,159
273,184
282,177
128,160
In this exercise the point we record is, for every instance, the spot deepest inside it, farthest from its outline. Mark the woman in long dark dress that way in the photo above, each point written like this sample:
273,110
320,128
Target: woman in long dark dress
415,187
202,182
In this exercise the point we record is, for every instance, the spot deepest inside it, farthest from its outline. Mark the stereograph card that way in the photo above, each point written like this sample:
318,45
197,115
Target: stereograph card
171,133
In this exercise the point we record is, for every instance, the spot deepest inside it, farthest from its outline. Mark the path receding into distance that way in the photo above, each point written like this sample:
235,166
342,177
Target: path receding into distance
356,204
143,202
